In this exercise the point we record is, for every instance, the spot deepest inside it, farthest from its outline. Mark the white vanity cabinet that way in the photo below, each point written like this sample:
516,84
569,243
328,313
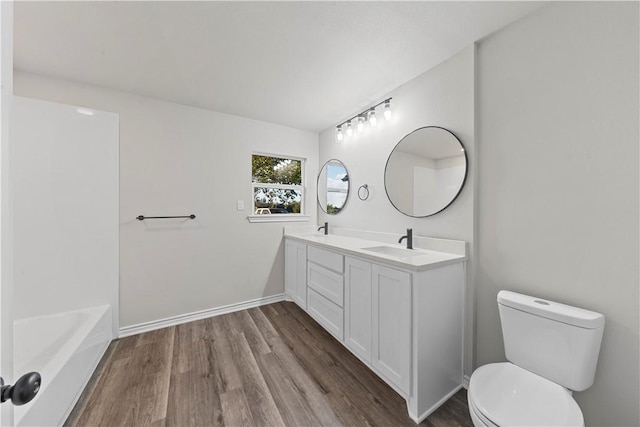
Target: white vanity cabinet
295,272
357,300
408,327
325,289
378,319
391,331
405,321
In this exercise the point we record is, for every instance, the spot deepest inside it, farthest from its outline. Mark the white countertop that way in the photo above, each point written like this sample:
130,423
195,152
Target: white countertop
420,259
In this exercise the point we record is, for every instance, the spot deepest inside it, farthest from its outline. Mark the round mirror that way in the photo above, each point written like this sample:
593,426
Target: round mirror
333,187
425,171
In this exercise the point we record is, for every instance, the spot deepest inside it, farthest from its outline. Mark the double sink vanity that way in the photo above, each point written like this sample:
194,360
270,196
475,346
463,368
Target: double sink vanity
400,311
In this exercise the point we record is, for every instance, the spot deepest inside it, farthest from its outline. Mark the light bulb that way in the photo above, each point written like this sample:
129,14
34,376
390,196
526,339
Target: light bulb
349,128
387,109
372,118
360,123
339,135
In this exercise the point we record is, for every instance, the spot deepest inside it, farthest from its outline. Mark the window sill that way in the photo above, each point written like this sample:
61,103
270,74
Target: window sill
278,218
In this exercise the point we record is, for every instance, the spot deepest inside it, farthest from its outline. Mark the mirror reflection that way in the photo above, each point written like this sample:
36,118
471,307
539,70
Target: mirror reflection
333,187
425,171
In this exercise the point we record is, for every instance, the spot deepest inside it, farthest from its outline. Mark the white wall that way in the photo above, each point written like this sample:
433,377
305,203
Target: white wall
423,189
558,182
442,96
448,179
64,187
178,160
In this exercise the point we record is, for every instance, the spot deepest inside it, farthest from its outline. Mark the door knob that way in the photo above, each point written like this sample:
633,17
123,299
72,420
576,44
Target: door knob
23,391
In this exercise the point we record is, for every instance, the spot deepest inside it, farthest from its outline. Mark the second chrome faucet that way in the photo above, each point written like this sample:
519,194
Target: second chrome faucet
409,237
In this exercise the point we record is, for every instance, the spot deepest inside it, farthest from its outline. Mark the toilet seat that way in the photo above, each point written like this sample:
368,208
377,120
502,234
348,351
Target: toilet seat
504,394
478,418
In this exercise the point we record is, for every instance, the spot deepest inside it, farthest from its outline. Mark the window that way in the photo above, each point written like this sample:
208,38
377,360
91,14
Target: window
277,184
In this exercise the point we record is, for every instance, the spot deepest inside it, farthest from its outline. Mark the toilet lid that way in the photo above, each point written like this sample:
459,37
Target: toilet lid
511,396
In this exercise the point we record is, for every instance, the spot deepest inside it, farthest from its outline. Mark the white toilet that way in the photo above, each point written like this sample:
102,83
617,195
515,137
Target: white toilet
552,349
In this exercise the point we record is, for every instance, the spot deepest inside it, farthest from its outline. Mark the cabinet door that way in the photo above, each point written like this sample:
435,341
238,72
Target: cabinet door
295,281
357,307
290,261
391,335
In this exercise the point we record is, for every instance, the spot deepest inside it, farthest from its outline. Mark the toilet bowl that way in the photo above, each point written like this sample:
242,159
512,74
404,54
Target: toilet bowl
503,394
552,348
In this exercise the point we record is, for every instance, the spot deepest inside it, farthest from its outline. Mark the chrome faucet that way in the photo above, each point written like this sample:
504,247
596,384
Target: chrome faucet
326,228
409,237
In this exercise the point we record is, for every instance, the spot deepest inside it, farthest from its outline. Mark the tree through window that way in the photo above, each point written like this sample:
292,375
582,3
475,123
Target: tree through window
277,184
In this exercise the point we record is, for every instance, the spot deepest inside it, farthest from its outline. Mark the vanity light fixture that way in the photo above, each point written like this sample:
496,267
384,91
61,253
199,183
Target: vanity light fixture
387,109
360,123
368,115
373,121
349,128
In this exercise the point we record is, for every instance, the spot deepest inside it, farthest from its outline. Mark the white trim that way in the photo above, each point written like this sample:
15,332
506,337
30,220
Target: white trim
465,382
277,186
196,315
425,414
6,219
278,218
115,301
278,156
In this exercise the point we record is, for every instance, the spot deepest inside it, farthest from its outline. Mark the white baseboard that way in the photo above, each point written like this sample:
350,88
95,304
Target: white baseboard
420,418
196,315
465,382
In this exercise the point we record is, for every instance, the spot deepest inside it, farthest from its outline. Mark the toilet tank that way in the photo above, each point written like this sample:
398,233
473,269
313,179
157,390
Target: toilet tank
556,341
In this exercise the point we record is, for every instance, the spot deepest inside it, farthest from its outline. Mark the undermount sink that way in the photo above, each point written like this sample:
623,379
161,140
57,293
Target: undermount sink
396,252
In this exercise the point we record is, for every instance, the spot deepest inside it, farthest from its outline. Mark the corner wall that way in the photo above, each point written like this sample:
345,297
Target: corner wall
442,96
64,195
179,160
558,182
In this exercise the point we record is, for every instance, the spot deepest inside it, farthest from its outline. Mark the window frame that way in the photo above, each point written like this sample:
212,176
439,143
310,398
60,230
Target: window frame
302,188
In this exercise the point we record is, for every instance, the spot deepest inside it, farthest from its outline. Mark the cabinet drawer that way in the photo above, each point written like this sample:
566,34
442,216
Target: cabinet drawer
328,314
326,282
330,260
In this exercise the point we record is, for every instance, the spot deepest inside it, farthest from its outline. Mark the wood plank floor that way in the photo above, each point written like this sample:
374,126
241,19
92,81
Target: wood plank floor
266,366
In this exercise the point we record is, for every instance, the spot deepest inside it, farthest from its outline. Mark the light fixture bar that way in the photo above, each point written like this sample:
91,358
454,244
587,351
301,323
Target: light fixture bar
363,113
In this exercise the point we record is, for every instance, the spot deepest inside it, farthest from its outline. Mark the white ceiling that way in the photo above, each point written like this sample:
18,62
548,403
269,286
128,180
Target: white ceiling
306,65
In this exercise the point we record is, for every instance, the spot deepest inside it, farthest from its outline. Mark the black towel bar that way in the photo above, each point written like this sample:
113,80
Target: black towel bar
142,217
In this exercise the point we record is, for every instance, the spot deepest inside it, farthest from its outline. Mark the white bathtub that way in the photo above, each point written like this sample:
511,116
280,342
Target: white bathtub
65,349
